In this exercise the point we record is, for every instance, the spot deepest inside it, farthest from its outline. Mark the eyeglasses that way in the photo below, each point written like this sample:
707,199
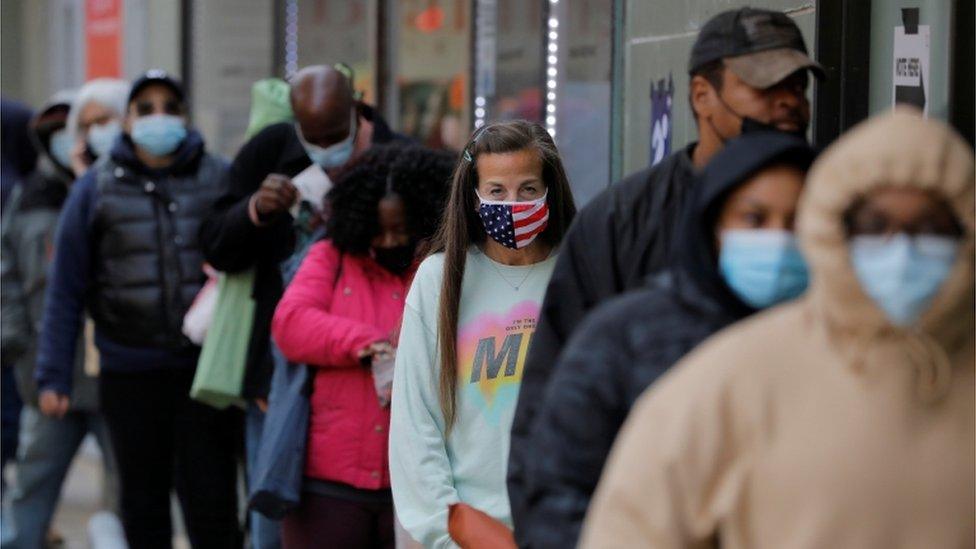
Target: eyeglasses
170,106
875,223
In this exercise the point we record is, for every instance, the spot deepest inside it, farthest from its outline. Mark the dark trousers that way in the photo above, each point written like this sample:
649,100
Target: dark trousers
164,440
323,521
10,406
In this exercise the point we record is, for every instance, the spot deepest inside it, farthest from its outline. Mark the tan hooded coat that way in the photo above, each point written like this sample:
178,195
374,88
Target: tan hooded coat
817,424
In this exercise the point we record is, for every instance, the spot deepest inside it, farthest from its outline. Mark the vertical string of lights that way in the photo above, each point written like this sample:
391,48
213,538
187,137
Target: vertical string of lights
485,36
479,112
291,37
552,66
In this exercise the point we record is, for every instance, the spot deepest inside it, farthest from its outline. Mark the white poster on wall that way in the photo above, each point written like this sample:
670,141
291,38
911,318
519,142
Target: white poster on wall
911,67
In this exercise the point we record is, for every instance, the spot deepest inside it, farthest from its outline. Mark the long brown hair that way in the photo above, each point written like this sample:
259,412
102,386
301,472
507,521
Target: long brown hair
461,227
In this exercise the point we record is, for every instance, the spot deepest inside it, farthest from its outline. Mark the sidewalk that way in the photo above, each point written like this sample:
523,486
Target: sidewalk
80,499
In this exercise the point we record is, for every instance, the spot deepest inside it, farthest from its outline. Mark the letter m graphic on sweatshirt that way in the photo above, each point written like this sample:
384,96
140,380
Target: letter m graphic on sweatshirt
485,357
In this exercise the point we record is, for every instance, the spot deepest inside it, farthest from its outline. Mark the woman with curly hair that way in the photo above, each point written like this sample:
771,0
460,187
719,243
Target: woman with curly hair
468,321
341,315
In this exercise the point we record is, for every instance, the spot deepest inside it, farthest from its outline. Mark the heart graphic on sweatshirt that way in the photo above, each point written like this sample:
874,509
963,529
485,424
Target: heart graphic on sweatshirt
491,356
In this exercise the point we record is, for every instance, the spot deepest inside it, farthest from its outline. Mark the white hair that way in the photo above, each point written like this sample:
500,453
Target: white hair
108,92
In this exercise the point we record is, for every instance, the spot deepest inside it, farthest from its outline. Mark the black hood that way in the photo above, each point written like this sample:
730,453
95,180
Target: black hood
40,135
695,253
185,159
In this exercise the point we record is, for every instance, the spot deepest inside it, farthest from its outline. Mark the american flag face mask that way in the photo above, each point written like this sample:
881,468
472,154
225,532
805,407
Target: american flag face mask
514,224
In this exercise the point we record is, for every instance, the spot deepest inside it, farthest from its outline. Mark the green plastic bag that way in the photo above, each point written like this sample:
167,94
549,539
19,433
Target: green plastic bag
270,104
220,370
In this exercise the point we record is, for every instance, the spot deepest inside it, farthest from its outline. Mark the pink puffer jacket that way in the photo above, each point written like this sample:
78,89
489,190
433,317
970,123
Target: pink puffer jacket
326,321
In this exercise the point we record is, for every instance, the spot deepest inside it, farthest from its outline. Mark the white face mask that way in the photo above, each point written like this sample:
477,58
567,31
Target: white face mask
334,155
60,147
763,267
902,273
159,134
101,137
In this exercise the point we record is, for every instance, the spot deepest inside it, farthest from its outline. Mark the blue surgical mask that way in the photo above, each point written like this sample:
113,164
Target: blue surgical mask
60,146
101,137
902,274
762,267
159,134
332,156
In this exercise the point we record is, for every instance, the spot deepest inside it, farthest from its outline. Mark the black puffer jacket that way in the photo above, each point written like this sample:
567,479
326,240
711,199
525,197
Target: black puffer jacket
626,343
147,264
126,252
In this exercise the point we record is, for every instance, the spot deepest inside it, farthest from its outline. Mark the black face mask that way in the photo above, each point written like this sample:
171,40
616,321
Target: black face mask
751,125
397,259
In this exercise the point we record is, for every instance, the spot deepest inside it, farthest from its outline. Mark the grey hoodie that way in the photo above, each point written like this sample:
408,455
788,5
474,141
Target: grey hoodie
26,249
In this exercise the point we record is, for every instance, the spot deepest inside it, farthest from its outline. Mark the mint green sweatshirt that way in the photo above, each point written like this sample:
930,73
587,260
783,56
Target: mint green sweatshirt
495,325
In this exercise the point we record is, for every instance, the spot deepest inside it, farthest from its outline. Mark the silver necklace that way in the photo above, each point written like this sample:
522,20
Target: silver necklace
505,278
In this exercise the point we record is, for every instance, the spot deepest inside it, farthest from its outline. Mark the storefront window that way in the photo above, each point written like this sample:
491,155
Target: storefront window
431,42
509,54
232,47
340,31
520,62
584,50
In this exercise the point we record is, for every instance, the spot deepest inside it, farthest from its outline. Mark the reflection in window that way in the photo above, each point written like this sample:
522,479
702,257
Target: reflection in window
334,31
519,65
432,48
584,99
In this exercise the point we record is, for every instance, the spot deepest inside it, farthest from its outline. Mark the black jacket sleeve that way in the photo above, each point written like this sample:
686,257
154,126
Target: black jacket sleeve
230,241
582,277
599,258
577,422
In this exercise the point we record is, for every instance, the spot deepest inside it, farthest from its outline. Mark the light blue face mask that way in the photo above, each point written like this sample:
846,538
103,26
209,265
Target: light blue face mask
902,274
159,134
60,146
763,267
101,137
332,156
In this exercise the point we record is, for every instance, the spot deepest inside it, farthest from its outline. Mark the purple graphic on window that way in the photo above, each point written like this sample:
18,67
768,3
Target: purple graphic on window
662,97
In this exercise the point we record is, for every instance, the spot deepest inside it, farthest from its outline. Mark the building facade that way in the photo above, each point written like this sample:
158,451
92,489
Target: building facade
608,78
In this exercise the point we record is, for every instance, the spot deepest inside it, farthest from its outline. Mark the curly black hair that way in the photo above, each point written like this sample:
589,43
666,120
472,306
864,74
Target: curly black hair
419,176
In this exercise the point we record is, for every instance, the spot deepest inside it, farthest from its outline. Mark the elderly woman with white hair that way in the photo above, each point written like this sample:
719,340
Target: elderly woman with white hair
95,120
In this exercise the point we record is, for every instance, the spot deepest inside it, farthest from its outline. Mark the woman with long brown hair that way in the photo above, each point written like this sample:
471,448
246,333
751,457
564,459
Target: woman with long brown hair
469,317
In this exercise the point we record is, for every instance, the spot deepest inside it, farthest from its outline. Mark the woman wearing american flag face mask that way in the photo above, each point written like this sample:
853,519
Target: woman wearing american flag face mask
467,325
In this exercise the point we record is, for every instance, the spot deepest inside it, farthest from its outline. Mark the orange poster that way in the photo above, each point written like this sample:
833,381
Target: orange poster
103,38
